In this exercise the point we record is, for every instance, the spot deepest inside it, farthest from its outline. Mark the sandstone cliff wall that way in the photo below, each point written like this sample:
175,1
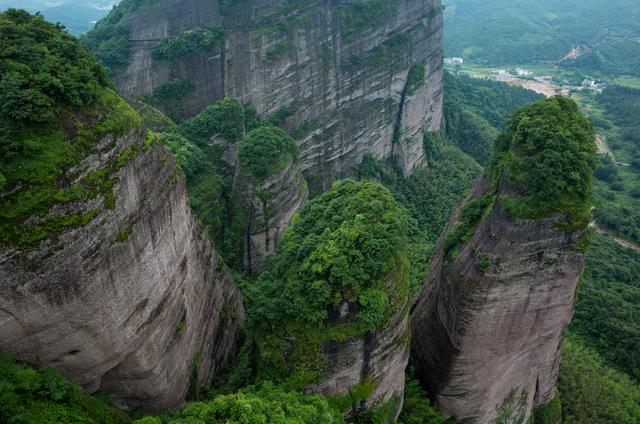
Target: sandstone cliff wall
269,207
378,359
136,302
488,326
340,74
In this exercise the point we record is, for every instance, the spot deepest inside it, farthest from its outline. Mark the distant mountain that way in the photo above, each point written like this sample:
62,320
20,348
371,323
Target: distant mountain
79,16
528,31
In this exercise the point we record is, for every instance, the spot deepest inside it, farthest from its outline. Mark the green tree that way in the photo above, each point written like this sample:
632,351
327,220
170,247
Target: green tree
265,151
546,156
44,74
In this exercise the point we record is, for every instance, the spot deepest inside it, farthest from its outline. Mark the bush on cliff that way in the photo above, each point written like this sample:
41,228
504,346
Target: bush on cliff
266,151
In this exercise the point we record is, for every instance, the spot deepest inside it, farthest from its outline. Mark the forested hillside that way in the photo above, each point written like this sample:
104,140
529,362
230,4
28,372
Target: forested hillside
503,32
272,252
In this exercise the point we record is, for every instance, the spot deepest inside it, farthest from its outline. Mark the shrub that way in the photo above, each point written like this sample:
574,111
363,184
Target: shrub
265,151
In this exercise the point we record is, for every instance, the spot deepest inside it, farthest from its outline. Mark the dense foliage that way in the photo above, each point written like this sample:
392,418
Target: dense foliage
618,209
346,247
429,196
546,155
607,317
28,396
475,111
265,151
416,408
43,396
60,107
109,39
44,74
262,404
591,392
226,118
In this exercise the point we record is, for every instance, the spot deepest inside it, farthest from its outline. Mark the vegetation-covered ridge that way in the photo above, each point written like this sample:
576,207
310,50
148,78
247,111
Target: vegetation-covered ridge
546,159
56,105
542,164
266,151
345,251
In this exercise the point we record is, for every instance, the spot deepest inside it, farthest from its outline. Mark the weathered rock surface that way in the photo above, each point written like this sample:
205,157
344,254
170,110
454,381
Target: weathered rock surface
136,302
269,207
343,86
376,358
488,326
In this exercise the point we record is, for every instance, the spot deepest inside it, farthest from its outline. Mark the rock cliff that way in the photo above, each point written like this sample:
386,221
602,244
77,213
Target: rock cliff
489,323
271,189
269,207
345,77
331,311
373,363
135,302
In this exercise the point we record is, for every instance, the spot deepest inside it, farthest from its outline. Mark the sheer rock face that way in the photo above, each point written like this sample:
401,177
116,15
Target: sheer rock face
345,88
136,302
379,358
268,207
488,326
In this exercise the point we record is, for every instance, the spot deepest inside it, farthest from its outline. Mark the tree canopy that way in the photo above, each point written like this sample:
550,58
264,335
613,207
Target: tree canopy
44,72
266,150
546,155
346,247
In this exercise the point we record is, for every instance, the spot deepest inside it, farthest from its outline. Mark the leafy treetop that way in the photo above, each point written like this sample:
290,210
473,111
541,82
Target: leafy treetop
44,72
266,150
546,156
225,118
341,247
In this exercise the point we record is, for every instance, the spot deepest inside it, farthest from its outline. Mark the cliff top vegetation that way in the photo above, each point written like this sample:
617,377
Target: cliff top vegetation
56,104
265,151
346,247
546,156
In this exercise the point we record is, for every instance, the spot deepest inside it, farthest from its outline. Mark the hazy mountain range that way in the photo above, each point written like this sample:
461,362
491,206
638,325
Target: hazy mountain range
78,16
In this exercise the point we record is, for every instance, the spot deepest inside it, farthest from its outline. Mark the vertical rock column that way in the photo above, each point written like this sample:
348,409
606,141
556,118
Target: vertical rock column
270,187
489,323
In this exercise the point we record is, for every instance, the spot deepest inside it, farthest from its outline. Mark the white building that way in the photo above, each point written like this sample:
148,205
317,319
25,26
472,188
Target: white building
523,72
500,73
